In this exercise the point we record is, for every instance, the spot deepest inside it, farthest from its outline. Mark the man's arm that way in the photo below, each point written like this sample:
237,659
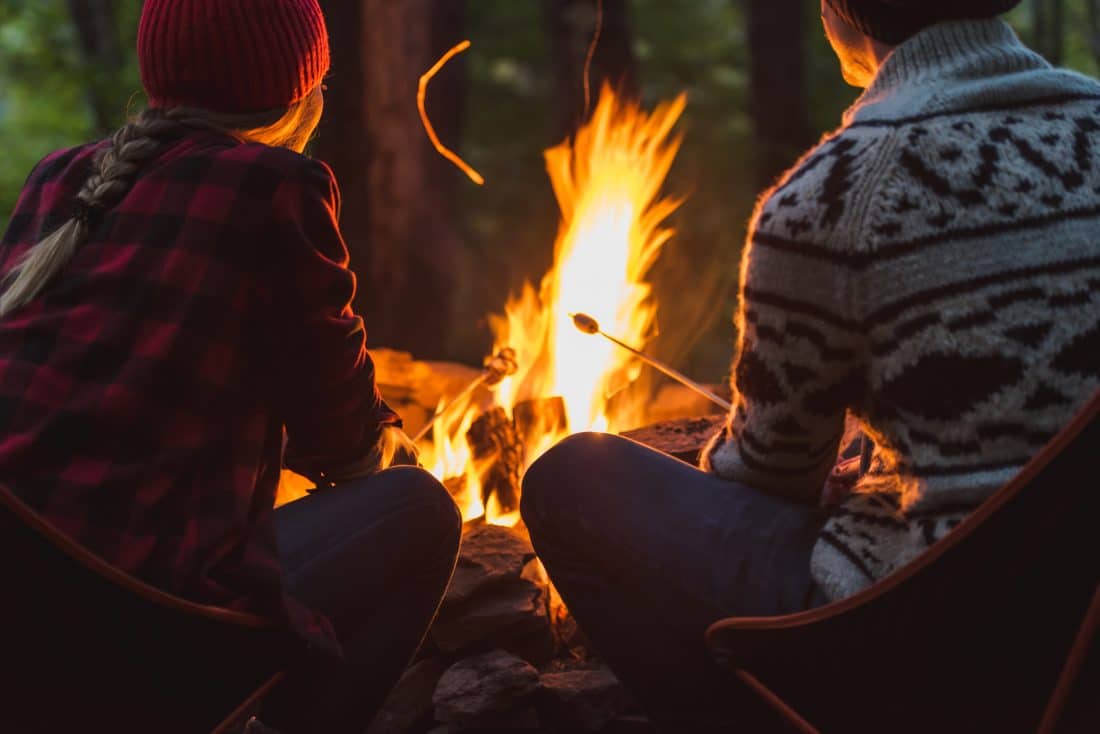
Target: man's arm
801,361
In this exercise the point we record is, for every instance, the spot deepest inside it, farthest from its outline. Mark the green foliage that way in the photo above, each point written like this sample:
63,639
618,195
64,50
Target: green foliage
44,87
697,46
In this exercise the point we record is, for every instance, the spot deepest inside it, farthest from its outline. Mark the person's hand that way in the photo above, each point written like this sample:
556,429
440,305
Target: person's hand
839,483
393,448
396,449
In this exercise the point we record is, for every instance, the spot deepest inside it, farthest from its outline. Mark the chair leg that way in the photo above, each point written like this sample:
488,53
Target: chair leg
242,712
1072,667
781,707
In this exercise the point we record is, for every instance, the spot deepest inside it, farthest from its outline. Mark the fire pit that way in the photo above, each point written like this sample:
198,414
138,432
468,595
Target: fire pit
504,651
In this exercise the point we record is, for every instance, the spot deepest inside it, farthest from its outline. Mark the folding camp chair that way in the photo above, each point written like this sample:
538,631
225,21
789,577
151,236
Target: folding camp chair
85,647
993,629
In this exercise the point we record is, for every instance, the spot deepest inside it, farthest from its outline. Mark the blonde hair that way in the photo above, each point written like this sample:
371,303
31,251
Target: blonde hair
117,165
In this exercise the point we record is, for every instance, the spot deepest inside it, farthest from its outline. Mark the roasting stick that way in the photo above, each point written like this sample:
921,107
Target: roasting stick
589,325
497,367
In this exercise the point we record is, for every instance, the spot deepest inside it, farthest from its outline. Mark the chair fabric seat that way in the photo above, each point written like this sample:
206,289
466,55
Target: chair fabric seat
87,648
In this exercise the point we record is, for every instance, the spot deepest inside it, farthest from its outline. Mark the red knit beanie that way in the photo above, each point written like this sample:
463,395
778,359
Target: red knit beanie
231,55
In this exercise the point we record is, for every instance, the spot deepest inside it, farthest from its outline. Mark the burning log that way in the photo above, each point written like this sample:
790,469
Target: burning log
540,417
497,451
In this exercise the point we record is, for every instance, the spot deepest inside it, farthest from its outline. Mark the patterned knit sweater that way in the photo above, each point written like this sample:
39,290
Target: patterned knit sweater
932,267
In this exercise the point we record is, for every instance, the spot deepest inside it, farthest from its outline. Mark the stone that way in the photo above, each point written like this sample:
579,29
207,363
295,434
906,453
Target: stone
414,388
582,700
478,687
507,617
410,701
683,438
491,555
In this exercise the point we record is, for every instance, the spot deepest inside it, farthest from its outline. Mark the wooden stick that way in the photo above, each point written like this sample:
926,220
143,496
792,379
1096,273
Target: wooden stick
589,325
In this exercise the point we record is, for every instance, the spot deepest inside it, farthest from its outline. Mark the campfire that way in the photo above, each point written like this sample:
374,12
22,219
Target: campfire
568,356
607,180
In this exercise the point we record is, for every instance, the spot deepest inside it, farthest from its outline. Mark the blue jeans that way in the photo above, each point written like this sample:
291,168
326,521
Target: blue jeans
374,555
647,551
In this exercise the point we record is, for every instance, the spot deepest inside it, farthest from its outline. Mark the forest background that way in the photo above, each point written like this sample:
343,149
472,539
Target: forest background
434,254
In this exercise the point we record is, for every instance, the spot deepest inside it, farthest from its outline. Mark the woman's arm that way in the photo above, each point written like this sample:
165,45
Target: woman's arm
337,424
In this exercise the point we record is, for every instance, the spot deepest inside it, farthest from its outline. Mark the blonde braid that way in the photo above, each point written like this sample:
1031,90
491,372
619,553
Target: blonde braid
117,165
113,172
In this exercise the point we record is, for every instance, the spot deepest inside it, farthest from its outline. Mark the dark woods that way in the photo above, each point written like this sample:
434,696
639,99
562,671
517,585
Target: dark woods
434,253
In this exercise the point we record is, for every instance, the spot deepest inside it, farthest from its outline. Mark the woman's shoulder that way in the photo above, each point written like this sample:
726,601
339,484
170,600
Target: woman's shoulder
282,163
56,164
258,167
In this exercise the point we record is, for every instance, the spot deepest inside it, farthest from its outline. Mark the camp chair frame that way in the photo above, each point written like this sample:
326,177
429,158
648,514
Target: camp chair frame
264,644
782,659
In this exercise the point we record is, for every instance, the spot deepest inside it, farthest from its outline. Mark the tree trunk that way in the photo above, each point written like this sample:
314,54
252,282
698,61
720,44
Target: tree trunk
777,84
98,37
341,139
1048,29
1057,32
408,250
1094,28
571,25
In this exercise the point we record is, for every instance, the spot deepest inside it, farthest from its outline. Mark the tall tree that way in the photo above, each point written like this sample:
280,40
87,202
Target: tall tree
777,83
408,251
341,139
572,26
1093,8
97,34
1048,29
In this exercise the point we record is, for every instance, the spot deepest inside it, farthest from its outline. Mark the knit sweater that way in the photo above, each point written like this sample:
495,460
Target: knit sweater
933,268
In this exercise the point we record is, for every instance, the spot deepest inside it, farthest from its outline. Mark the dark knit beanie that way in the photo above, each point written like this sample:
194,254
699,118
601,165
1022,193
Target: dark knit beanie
231,55
893,21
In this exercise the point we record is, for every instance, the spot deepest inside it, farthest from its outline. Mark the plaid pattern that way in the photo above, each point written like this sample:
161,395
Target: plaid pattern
144,393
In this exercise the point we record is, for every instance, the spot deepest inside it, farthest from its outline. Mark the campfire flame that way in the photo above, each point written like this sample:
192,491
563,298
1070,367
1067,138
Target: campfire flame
607,181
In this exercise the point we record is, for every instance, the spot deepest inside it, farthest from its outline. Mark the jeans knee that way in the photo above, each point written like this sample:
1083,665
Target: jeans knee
556,481
441,515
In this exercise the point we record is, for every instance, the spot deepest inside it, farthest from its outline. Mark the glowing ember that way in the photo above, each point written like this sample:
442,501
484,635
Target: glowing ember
422,93
607,181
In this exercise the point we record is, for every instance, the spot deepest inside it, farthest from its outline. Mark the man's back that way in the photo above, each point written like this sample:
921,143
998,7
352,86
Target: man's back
933,267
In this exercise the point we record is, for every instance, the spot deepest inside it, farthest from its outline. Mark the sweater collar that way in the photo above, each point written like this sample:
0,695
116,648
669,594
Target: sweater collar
954,51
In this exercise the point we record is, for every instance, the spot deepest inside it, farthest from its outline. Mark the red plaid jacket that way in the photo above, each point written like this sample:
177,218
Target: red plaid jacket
144,393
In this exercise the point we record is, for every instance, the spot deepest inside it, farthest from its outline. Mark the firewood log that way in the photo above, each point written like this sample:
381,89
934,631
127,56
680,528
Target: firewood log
539,416
497,453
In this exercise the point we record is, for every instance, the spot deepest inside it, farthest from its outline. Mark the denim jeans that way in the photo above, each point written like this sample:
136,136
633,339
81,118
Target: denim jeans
374,555
648,551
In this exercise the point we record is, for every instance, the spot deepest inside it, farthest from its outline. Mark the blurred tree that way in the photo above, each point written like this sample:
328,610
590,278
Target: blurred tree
341,138
777,84
518,89
96,24
1092,8
408,254
571,26
1048,29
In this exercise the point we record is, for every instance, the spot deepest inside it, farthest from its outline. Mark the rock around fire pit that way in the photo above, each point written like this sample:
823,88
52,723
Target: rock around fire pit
504,654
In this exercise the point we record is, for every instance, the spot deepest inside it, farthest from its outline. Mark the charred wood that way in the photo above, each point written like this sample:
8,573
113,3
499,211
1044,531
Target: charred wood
498,453
540,417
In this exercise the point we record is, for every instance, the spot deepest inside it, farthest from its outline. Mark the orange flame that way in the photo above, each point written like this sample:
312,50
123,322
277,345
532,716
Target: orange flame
607,181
